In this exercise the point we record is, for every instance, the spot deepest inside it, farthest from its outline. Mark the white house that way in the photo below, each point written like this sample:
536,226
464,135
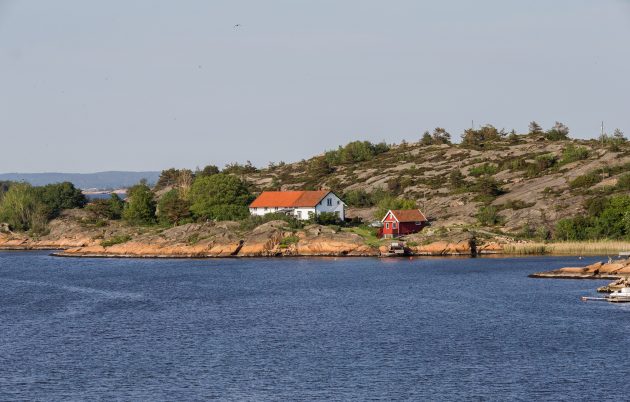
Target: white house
301,204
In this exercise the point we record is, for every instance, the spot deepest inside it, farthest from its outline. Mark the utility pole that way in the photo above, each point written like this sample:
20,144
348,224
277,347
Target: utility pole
602,128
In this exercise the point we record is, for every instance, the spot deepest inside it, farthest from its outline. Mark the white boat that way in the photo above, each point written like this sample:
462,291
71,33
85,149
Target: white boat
619,296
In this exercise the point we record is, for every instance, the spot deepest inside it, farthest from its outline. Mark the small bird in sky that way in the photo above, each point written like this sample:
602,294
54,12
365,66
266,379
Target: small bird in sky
237,26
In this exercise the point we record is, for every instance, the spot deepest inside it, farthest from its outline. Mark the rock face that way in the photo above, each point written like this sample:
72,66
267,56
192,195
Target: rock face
611,270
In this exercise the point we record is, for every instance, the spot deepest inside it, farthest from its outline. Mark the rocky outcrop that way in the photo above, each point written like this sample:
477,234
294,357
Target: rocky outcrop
619,269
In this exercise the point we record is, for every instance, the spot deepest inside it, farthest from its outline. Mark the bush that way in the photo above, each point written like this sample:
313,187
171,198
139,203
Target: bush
358,198
328,218
356,151
572,153
238,169
287,241
253,221
541,163
115,240
456,179
488,215
585,181
485,169
440,136
623,182
481,138
487,186
558,132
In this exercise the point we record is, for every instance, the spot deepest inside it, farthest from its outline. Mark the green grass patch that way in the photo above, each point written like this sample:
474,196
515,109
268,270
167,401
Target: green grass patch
115,240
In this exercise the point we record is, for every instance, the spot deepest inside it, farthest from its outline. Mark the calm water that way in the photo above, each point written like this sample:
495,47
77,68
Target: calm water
294,329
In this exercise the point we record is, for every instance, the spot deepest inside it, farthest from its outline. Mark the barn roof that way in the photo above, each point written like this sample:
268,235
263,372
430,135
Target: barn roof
407,215
288,199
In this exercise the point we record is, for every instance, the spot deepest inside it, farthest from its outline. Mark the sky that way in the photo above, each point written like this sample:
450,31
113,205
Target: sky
88,86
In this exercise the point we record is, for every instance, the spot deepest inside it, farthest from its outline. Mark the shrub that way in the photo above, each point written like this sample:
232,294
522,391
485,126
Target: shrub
485,169
356,151
115,240
287,241
358,198
238,169
558,132
541,163
254,221
480,138
327,218
488,215
440,136
456,179
623,182
573,153
487,186
585,181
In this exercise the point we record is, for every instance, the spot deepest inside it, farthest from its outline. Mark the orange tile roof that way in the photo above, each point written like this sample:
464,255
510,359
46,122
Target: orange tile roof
409,215
288,199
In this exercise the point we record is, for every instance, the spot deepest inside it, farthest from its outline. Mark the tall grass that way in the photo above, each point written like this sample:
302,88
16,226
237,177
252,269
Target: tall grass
568,248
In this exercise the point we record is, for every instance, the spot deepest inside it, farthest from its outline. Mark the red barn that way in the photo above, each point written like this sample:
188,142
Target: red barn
399,222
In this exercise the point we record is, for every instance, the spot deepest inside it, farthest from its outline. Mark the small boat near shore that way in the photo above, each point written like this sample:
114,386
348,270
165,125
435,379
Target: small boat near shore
620,296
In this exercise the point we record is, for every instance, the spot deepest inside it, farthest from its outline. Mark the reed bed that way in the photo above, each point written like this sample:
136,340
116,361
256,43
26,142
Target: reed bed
569,248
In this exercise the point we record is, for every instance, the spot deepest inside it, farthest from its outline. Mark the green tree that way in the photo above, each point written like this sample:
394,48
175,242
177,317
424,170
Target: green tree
481,138
558,132
441,136
172,209
488,186
535,128
219,197
140,207
358,198
59,196
456,179
389,202
488,215
426,138
22,210
209,170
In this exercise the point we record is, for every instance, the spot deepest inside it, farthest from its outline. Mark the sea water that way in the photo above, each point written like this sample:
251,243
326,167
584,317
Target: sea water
306,329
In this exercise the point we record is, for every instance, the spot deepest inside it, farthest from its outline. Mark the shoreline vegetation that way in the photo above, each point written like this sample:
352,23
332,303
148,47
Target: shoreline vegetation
496,192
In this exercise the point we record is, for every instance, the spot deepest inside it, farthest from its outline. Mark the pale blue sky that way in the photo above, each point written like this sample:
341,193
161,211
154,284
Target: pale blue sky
143,85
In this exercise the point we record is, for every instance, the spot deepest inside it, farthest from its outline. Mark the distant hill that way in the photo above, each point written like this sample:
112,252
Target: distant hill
99,180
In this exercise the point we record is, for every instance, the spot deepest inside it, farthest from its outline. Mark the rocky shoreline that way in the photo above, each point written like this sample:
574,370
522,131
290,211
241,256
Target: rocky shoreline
617,270
70,236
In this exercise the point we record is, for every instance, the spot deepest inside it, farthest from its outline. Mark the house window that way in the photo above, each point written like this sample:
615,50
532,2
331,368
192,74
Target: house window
265,209
393,225
329,202
386,225
338,202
